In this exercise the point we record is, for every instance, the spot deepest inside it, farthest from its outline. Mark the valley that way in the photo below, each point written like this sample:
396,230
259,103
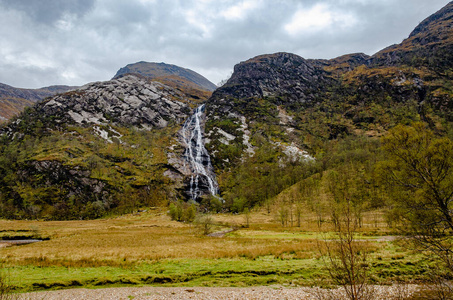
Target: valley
147,248
295,172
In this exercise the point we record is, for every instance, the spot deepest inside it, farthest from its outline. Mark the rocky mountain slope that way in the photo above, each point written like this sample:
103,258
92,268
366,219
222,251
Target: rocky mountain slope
83,151
110,147
429,44
286,104
14,100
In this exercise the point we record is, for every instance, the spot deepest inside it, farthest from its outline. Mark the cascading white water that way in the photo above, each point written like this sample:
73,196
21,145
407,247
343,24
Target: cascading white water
197,156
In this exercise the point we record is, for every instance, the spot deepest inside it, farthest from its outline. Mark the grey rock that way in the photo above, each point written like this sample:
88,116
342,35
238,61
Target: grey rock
128,100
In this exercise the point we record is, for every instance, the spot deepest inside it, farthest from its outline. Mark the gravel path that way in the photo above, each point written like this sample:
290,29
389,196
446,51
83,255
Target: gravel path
208,293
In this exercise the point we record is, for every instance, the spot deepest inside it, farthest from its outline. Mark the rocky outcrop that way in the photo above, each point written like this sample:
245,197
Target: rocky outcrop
286,77
263,91
130,100
75,180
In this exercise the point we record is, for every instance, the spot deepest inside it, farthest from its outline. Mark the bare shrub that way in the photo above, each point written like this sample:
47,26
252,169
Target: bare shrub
346,258
204,223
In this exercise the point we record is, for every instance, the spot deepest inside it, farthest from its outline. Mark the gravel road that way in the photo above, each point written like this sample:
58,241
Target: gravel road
208,293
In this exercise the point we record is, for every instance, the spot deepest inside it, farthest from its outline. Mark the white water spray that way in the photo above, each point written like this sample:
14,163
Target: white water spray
197,155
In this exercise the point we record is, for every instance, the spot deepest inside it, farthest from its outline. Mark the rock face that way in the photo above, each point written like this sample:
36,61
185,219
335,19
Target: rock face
128,100
262,89
75,180
281,75
168,73
266,90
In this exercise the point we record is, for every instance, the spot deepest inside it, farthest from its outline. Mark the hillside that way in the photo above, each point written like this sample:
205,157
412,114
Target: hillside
280,120
97,149
429,45
278,104
169,74
14,100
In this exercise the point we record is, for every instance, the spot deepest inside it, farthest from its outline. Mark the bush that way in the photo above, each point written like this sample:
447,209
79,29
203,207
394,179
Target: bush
204,223
238,205
211,203
182,211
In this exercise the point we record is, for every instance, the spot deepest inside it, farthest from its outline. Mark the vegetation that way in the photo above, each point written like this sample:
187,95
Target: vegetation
73,173
372,203
346,257
418,174
6,289
149,248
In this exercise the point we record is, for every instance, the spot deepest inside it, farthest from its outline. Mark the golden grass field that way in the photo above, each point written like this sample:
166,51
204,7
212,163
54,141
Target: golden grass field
150,248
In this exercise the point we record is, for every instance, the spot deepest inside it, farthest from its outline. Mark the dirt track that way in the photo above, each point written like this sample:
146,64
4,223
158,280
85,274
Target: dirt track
205,293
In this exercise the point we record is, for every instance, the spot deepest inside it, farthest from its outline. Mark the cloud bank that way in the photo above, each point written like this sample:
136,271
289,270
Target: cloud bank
73,42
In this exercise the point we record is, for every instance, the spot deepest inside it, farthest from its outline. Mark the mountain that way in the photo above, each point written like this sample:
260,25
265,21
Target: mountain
137,140
14,100
429,44
169,74
129,100
83,151
279,104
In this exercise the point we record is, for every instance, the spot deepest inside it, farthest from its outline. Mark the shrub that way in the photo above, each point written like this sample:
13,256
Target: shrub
204,223
182,211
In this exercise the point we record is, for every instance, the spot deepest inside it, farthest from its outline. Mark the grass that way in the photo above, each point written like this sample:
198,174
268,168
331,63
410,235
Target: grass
150,249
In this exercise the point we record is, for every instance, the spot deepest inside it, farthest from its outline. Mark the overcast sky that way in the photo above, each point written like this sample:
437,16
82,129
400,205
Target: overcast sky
73,42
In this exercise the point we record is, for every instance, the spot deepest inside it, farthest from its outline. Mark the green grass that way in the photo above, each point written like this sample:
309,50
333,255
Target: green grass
237,272
150,249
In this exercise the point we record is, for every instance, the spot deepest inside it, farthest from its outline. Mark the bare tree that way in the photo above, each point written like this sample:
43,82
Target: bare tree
346,258
205,223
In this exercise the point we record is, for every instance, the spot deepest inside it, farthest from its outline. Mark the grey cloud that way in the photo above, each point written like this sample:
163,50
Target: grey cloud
104,35
48,11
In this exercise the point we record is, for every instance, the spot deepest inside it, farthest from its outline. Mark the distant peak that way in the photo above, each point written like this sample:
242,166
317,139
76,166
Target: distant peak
169,72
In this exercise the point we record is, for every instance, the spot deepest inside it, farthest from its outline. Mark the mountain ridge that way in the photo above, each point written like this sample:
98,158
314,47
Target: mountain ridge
168,73
13,100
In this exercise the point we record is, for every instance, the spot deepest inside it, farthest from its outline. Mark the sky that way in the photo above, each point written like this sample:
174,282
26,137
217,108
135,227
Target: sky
74,42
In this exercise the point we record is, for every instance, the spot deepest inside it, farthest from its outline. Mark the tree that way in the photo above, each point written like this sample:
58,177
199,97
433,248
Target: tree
346,257
247,217
419,174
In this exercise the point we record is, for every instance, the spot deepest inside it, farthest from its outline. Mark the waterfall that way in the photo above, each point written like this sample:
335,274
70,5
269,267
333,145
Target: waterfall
197,156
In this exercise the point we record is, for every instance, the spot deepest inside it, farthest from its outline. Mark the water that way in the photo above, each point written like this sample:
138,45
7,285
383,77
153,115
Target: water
197,156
